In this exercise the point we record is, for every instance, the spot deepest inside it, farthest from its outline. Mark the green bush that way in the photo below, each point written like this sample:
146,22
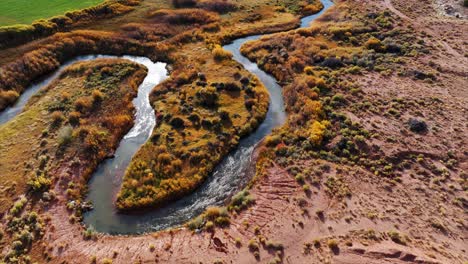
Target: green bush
241,200
65,135
39,183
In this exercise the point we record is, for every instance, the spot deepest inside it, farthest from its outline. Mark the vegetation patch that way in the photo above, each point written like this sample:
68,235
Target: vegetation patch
202,114
81,116
310,62
19,32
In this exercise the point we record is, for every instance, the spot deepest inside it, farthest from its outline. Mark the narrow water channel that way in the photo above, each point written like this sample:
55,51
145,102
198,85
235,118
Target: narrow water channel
228,178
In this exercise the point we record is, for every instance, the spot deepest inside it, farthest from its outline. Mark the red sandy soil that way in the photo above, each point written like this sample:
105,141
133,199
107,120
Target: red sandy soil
408,207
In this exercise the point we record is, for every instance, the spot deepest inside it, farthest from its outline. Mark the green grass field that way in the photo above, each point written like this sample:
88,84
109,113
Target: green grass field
26,11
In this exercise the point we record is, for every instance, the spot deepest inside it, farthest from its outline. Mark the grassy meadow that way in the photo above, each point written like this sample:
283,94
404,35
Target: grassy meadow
26,11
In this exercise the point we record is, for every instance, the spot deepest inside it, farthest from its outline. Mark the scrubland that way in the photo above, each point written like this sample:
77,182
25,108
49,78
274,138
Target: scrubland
370,166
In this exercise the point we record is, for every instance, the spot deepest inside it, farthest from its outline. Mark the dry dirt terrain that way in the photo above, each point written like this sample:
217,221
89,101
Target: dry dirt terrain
420,217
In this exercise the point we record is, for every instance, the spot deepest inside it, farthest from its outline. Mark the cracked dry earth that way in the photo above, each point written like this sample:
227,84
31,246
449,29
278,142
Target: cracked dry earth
430,215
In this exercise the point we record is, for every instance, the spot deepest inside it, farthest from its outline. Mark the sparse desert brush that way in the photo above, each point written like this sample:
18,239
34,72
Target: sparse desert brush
84,104
396,237
97,96
106,261
65,135
7,98
213,212
271,244
74,118
375,44
332,244
18,206
253,245
118,121
317,131
241,200
39,183
196,223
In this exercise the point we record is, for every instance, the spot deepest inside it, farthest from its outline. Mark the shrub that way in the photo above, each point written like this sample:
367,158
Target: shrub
238,242
232,87
417,126
241,200
209,225
396,237
316,132
338,99
222,221
272,140
18,206
221,54
106,261
39,183
196,223
74,118
313,8
253,245
219,6
89,233
274,245
375,44
183,3
214,211
57,118
332,62
208,96
97,96
65,135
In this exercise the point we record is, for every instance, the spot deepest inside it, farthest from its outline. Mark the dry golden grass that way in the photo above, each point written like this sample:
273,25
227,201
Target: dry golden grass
33,143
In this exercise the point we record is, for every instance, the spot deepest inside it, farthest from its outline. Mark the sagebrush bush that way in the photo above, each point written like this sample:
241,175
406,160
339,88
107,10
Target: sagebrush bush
221,54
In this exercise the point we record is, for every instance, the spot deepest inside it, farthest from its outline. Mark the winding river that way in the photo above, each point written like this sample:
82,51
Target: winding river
228,178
